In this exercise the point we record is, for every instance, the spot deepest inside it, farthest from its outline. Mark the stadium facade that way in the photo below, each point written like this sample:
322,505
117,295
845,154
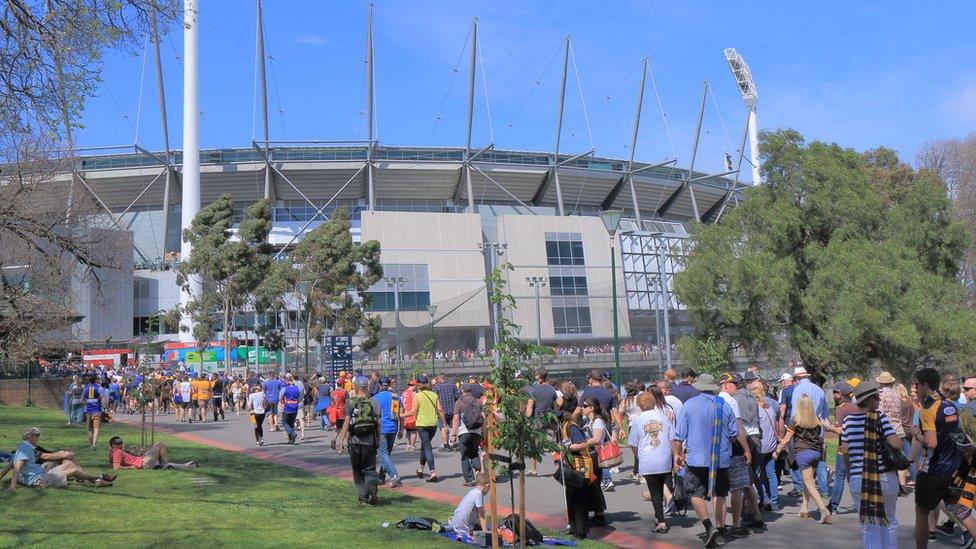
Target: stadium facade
443,216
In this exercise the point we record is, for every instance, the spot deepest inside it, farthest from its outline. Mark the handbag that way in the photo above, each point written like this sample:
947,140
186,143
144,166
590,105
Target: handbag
894,460
608,455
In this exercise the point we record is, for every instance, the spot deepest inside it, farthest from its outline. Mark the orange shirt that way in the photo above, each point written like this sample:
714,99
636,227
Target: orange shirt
201,387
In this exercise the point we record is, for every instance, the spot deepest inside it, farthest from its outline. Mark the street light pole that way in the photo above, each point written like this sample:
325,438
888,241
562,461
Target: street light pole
396,282
433,342
537,282
611,220
490,249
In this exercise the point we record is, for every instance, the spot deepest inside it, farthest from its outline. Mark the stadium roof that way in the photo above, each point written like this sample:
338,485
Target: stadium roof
320,172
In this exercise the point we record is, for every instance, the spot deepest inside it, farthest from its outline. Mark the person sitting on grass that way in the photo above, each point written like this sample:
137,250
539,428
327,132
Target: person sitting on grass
469,515
28,472
156,457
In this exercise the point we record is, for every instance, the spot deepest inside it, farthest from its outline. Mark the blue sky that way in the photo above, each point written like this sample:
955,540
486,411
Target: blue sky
861,74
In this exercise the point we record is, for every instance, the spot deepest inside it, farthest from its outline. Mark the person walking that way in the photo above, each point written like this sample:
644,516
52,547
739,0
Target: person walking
468,422
76,401
652,434
804,386
447,394
257,405
769,438
389,408
409,423
842,407
217,387
272,391
685,389
576,471
201,386
362,434
542,400
427,410
290,400
94,401
703,448
806,428
323,393
874,488
337,413
597,433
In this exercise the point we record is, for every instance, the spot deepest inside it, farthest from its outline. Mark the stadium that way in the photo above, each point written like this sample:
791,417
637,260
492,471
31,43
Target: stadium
444,217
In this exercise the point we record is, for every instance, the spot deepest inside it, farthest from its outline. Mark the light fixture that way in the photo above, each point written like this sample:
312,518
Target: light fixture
611,220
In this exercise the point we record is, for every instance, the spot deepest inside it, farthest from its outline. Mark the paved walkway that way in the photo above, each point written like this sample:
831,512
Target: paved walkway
631,518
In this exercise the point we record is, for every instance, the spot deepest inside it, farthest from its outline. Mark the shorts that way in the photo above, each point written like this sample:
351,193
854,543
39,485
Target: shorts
739,476
149,461
930,490
185,405
450,420
808,459
696,482
271,409
54,478
93,421
202,402
958,510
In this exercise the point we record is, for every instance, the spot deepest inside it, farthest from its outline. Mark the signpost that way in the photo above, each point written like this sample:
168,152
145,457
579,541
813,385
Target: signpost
340,351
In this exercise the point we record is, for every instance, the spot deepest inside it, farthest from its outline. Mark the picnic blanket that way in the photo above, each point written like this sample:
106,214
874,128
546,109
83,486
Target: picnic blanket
480,540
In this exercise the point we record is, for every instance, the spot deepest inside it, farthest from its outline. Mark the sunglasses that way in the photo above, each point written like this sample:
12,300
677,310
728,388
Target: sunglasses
969,388
587,406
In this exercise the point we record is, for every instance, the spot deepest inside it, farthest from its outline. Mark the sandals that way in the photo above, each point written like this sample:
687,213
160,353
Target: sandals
433,478
420,473
803,514
661,529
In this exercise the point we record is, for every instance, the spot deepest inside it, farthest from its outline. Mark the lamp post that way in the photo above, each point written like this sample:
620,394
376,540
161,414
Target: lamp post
396,282
491,250
433,342
537,282
611,220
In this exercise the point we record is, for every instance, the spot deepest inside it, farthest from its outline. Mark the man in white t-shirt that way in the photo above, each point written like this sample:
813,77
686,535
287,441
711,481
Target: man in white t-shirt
469,515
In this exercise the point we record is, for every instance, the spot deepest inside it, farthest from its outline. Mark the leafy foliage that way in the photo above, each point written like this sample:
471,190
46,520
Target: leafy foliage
849,258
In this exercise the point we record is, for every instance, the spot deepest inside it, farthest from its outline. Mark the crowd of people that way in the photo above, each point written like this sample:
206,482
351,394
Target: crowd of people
721,449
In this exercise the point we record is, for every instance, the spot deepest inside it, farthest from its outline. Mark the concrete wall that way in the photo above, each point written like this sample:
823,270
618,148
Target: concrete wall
104,297
448,244
526,238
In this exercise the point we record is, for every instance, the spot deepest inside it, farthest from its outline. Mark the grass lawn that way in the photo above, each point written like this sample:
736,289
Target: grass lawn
243,501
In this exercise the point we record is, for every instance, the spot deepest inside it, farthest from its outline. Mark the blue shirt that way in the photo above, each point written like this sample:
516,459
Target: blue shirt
92,394
786,397
30,472
388,422
684,391
293,397
816,394
272,388
694,428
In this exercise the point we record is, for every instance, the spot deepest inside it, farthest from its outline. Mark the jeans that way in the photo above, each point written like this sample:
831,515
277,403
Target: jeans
78,413
363,460
874,536
840,472
907,449
426,450
218,407
770,480
288,421
470,461
386,447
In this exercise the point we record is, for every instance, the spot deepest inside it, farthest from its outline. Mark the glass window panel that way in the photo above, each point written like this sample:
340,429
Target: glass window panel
577,253
552,252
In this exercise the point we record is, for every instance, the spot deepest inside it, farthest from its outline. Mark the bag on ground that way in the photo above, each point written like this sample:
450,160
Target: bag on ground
532,534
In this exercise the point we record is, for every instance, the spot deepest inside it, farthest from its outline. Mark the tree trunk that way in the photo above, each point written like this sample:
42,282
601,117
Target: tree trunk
522,491
227,334
492,494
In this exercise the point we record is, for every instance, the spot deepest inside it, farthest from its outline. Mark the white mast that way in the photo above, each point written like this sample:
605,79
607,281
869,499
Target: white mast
747,87
191,150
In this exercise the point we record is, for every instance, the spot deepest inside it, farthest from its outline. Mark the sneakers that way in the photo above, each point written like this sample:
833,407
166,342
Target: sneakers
738,532
371,497
946,527
607,486
794,493
711,538
754,523
968,542
395,482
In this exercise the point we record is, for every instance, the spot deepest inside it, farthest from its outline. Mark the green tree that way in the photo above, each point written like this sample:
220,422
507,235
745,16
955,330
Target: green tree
327,272
850,259
230,267
517,434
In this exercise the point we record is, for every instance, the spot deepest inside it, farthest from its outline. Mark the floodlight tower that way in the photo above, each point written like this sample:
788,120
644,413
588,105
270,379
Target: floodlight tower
747,87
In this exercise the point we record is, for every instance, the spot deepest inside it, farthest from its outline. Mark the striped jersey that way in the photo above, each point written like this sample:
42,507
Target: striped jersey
852,433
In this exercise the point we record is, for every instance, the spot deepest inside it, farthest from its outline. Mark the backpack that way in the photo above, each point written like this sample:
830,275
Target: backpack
363,421
575,470
532,534
965,438
471,414
420,523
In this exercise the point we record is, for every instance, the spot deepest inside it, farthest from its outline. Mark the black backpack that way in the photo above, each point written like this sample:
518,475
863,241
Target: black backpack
532,534
363,421
472,414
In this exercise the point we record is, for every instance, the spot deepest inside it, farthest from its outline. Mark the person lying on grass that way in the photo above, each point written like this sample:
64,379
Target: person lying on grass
156,457
29,472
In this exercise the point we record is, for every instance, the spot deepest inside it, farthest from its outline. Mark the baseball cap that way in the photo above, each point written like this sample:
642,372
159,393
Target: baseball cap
412,382
688,372
477,390
800,371
360,383
843,388
786,377
384,380
730,377
422,378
